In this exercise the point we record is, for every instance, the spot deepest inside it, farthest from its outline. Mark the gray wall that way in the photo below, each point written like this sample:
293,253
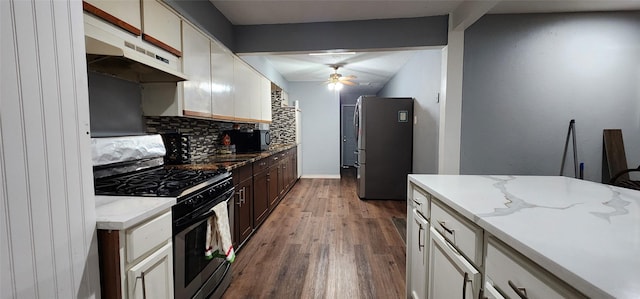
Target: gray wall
320,128
527,76
367,34
203,14
260,64
420,79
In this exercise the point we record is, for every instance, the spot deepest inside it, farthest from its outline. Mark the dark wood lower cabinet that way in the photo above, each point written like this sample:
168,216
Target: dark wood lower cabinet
260,197
243,200
274,183
259,188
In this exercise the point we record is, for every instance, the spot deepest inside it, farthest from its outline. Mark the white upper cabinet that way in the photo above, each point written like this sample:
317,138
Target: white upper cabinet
222,83
265,104
117,11
161,26
252,94
196,63
245,82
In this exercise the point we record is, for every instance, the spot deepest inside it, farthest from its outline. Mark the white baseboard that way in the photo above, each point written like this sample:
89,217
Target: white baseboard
320,176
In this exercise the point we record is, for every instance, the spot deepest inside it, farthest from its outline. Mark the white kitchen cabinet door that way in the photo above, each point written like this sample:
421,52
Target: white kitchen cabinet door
265,92
450,274
256,95
153,276
161,26
196,62
126,11
244,81
222,84
418,255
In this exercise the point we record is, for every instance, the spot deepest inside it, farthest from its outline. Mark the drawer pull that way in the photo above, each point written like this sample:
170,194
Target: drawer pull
448,230
418,203
144,285
420,242
521,292
465,280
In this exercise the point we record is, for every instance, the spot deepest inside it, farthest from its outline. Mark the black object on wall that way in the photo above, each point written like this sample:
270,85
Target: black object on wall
114,106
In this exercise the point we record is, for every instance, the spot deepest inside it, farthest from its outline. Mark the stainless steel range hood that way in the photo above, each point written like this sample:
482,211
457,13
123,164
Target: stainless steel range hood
118,53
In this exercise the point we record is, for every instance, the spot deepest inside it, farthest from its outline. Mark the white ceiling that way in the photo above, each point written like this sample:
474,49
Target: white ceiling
374,69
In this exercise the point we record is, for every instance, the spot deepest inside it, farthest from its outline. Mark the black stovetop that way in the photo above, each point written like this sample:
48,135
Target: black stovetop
159,181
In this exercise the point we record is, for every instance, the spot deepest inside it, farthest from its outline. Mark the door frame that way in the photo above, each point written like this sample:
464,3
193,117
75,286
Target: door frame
342,132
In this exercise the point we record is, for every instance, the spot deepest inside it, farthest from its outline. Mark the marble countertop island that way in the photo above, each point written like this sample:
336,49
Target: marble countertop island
585,233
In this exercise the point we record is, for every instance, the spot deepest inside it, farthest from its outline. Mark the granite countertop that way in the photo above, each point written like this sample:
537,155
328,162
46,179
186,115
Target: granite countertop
232,161
585,233
123,212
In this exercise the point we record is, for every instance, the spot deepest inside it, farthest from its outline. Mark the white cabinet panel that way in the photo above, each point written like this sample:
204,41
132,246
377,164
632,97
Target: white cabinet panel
510,273
243,78
161,24
450,274
146,236
195,64
420,201
265,92
418,258
127,11
153,276
222,83
466,236
255,98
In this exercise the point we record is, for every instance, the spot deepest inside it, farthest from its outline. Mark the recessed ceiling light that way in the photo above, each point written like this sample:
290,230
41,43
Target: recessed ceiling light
332,53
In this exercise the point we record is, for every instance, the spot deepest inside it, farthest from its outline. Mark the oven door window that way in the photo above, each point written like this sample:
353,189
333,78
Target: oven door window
190,254
195,260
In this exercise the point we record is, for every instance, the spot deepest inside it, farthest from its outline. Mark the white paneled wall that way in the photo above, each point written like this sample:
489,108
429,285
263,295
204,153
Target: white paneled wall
47,242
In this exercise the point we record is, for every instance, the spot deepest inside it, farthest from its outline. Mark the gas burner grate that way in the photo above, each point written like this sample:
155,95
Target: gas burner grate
155,182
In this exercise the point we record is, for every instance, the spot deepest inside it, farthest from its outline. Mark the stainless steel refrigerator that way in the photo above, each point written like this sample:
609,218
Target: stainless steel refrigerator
384,130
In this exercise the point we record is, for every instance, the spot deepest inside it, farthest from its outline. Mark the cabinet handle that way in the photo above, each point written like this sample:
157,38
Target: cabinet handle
450,231
244,195
464,285
420,243
144,285
241,196
417,202
521,292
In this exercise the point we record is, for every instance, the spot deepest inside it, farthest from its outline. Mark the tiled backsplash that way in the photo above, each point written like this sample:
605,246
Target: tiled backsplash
205,134
283,126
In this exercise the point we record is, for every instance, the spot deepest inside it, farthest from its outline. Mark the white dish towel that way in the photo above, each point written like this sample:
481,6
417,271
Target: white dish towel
218,243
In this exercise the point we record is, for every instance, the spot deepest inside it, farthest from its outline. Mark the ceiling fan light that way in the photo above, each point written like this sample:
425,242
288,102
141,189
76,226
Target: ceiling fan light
339,86
331,86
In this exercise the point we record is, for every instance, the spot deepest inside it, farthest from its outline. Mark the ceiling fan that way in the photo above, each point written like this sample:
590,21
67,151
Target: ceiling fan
337,81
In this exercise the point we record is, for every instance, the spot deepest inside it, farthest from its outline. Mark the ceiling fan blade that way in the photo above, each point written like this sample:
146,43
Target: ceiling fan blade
348,77
347,83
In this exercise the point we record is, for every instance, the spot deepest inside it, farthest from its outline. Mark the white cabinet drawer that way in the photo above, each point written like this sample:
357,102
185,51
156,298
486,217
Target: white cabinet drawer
510,272
420,201
147,236
463,234
450,274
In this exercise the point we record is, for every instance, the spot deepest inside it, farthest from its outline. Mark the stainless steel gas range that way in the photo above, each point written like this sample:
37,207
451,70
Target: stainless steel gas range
196,191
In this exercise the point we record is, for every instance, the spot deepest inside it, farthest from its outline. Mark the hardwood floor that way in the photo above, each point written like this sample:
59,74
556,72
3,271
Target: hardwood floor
322,241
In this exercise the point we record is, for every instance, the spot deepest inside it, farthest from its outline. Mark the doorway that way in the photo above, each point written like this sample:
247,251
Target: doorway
348,155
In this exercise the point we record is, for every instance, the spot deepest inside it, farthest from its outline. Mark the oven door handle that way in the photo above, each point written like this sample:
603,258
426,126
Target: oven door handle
196,216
